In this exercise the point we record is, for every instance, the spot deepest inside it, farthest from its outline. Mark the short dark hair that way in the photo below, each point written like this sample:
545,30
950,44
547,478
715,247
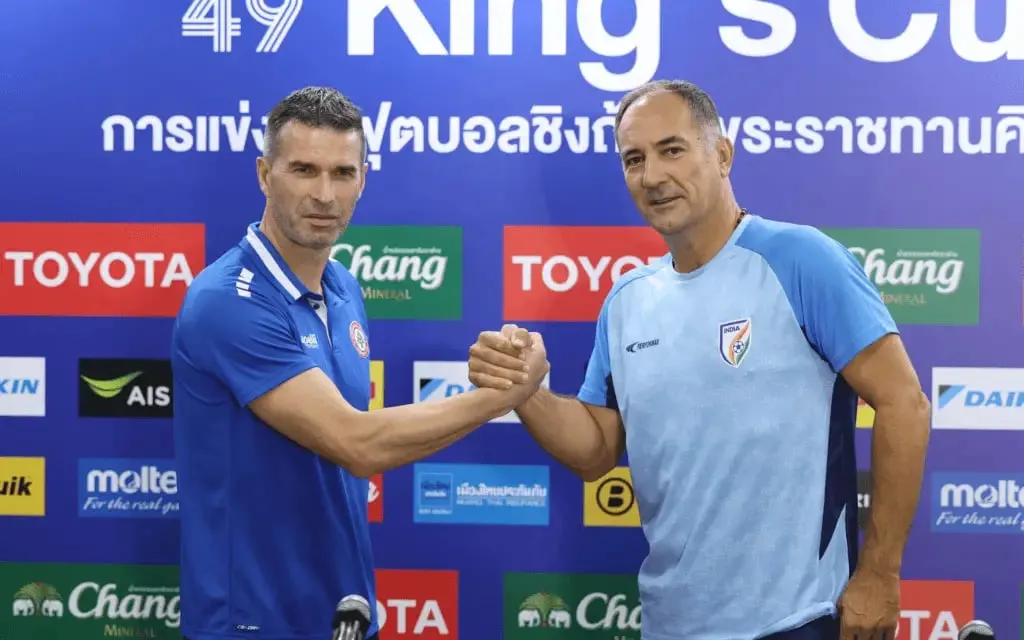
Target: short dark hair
702,107
313,107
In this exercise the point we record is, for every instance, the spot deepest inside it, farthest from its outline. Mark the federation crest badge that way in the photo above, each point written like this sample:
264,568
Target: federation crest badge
359,341
734,341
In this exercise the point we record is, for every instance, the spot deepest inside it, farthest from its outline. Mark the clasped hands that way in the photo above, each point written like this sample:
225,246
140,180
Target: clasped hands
512,360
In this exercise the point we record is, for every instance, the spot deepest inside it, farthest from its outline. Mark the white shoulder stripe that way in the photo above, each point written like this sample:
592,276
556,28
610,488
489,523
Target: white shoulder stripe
271,264
242,283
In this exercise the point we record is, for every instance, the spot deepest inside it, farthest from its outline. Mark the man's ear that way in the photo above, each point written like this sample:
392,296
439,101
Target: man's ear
726,153
262,174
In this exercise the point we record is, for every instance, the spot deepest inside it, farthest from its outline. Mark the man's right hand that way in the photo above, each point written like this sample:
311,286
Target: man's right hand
512,359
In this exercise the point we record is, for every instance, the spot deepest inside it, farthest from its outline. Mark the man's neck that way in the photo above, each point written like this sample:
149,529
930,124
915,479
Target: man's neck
307,264
695,247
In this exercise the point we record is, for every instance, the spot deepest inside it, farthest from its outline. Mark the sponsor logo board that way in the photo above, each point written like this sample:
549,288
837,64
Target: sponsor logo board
23,387
438,380
481,494
610,501
564,273
125,388
406,272
93,269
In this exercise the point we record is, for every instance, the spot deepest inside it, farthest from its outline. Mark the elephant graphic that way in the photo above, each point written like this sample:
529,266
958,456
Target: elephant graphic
558,618
544,609
38,599
52,608
24,607
529,618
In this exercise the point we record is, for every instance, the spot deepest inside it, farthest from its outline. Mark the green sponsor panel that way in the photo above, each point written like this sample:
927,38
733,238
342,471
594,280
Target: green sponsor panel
88,601
571,606
406,272
926,276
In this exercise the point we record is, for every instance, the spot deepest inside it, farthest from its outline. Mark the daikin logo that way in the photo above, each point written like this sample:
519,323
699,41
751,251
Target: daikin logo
965,398
1008,398
434,381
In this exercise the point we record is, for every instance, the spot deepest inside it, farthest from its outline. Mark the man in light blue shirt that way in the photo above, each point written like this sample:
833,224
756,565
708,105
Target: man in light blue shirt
729,371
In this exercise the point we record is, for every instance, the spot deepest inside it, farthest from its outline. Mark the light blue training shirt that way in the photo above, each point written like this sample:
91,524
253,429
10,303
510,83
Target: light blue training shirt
739,429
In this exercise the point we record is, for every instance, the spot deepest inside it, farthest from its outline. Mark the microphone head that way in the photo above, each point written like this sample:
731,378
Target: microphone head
976,630
354,605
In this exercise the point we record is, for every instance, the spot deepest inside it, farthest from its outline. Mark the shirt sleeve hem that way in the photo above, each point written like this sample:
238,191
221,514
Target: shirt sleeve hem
864,339
268,384
589,395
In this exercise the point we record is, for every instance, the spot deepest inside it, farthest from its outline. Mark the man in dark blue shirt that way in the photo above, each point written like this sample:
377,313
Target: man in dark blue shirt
271,360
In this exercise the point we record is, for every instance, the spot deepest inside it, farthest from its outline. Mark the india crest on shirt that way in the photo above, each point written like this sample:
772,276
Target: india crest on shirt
734,341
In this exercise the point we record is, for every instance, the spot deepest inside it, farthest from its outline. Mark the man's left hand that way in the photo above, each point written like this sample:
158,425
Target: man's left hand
870,607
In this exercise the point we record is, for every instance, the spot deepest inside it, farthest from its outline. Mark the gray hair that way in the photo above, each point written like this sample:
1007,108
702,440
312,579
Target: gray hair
702,107
313,107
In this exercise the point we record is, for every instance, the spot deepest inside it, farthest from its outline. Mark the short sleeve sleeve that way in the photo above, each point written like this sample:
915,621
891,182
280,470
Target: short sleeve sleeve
597,386
841,310
246,343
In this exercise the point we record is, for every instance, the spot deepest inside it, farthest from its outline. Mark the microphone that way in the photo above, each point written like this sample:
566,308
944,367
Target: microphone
351,619
977,630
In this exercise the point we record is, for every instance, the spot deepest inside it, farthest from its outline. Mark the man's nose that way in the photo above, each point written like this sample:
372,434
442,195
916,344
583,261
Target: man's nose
323,192
654,174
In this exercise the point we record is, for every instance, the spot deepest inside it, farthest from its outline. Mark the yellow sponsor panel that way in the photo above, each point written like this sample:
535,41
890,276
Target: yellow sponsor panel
610,501
22,486
376,384
865,415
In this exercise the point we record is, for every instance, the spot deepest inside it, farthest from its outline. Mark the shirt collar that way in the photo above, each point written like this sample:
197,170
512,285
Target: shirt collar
279,271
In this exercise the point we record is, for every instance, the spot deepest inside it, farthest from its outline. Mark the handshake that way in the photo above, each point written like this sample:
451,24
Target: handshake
512,360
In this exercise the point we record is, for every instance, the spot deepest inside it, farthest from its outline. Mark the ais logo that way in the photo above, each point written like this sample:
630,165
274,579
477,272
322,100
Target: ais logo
124,388
864,483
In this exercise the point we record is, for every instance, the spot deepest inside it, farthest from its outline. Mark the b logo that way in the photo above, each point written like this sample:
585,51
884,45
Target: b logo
610,501
615,496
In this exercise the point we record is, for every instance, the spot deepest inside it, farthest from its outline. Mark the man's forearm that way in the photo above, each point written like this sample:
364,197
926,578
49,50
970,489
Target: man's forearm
899,443
399,435
566,430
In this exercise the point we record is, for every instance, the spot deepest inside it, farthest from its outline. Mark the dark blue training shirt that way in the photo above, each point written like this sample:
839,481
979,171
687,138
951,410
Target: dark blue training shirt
272,535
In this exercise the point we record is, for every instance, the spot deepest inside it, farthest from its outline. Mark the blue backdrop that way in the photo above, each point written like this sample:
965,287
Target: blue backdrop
813,93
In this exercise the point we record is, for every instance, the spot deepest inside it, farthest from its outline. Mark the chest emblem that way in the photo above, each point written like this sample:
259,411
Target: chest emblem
358,337
734,341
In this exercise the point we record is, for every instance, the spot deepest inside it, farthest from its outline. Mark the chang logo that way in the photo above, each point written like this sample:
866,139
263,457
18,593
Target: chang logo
38,599
544,610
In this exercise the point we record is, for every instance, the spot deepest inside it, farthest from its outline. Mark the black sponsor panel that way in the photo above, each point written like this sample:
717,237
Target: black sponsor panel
123,388
863,498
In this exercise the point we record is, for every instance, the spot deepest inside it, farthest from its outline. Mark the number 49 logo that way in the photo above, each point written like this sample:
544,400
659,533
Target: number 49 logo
214,19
